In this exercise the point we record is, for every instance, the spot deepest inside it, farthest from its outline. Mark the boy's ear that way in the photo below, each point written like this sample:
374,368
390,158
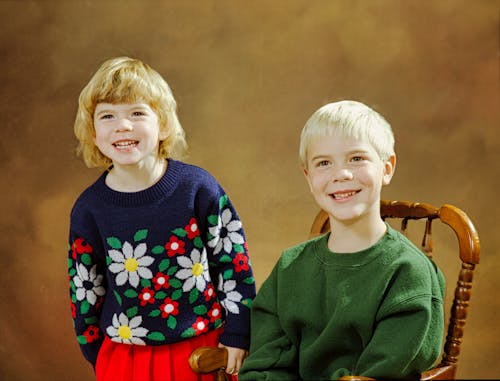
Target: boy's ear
306,175
389,168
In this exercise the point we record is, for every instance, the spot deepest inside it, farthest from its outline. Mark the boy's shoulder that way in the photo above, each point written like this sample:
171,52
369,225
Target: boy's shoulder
289,255
404,244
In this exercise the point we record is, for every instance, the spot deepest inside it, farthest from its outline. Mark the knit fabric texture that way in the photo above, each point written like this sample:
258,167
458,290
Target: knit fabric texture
323,315
160,265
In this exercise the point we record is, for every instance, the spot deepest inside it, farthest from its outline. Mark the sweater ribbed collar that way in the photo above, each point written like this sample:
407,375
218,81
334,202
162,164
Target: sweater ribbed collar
163,188
356,259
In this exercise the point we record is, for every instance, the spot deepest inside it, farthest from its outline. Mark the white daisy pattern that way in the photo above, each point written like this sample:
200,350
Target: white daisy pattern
230,303
194,270
130,264
88,284
127,331
225,233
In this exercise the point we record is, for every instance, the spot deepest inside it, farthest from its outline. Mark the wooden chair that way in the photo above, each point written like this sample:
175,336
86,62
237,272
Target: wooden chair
206,359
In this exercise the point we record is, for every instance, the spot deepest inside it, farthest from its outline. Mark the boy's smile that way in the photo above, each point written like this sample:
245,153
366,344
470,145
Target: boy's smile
346,176
344,195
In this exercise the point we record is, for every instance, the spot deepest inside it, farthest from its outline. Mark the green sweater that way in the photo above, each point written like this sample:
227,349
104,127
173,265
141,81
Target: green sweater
321,315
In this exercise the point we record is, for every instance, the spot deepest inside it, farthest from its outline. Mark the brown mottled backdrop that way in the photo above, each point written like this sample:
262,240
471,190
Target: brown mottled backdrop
247,75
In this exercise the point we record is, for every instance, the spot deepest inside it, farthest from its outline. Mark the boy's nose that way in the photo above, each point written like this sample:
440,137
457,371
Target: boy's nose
342,174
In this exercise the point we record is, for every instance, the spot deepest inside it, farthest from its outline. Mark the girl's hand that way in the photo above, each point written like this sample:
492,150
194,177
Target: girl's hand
235,357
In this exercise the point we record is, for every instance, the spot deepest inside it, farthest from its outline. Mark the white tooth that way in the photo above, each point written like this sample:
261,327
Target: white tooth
124,144
344,195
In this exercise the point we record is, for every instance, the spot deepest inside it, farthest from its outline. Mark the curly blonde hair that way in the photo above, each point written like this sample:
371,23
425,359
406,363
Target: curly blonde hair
127,80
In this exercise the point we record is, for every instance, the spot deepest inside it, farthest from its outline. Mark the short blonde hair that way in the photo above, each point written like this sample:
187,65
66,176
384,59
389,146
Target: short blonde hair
350,119
127,80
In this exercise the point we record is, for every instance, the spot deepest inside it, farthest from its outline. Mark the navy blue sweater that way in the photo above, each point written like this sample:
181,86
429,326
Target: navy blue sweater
160,265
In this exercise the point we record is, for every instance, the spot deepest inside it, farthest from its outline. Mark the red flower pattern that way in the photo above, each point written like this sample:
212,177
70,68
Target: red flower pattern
240,262
200,325
73,310
215,312
169,307
91,333
80,246
175,246
192,229
147,296
209,292
160,280
99,303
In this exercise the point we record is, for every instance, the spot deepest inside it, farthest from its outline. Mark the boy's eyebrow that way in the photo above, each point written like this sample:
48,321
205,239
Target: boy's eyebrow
360,150
322,156
350,152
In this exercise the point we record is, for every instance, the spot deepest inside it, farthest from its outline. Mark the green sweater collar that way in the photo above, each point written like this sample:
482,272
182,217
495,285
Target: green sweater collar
360,258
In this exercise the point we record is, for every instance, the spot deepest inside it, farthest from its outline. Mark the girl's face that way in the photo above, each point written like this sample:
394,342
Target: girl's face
128,134
346,177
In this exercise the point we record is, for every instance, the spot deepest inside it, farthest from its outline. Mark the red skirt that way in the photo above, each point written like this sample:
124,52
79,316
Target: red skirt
123,362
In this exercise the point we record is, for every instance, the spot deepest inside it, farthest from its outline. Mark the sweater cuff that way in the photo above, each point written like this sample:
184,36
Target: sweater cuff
90,351
236,341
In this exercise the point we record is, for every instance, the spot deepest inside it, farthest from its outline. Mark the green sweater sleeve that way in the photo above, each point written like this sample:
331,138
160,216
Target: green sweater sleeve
273,355
418,323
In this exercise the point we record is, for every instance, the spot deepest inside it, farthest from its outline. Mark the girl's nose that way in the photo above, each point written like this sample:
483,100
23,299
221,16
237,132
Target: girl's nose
123,124
342,174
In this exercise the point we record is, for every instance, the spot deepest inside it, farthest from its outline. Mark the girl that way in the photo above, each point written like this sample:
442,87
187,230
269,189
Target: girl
158,261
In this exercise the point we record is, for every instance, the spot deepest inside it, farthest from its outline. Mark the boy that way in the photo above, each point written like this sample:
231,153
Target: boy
361,300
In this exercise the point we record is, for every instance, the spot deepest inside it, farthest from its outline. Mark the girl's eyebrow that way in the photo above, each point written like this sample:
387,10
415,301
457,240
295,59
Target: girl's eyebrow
104,107
104,111
133,107
138,105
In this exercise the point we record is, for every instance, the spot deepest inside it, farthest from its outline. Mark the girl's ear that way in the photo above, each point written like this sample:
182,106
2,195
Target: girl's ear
389,168
163,134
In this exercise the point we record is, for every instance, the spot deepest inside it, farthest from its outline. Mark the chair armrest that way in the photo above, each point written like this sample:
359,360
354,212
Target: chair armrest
440,373
208,359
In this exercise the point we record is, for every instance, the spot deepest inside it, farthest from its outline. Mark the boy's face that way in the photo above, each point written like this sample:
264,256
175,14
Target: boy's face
128,134
346,177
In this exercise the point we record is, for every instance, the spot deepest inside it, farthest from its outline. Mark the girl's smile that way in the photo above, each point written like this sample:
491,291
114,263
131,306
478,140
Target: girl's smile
124,145
128,134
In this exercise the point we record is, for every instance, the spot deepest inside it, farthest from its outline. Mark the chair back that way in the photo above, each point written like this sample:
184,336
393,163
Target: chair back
468,254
